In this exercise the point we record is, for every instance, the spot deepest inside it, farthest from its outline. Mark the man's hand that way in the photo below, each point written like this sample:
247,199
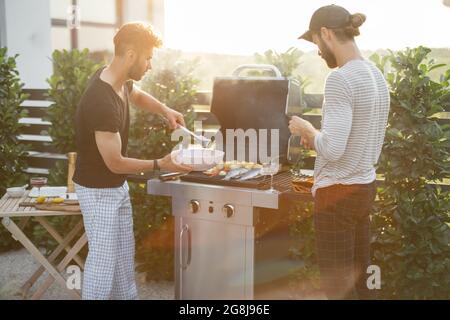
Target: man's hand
174,118
304,129
170,164
304,142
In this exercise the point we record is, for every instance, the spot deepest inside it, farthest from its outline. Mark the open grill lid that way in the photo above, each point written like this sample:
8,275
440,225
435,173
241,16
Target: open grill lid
255,103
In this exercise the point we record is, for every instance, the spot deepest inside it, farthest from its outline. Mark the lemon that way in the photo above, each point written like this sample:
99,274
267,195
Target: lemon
58,200
40,199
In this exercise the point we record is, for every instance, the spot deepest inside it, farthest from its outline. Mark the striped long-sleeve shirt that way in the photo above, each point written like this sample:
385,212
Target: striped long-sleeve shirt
354,118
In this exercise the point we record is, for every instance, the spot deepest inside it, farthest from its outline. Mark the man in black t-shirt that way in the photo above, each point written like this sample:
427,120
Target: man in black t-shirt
102,123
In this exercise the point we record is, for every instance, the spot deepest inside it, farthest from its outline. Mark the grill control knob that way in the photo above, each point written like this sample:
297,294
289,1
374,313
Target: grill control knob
228,210
194,206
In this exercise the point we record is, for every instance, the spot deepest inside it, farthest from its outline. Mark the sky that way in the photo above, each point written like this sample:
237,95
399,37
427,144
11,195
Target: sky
249,26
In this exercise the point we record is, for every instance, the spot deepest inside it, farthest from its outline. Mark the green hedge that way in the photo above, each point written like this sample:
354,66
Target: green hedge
412,219
11,151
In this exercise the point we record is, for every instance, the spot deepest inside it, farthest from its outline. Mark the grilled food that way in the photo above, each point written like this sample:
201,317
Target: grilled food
235,173
302,184
222,169
251,174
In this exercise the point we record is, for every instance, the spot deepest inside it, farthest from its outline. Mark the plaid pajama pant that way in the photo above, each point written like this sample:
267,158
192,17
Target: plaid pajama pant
108,221
342,227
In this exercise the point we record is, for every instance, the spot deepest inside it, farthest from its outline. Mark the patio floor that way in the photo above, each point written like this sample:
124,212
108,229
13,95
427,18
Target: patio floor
17,266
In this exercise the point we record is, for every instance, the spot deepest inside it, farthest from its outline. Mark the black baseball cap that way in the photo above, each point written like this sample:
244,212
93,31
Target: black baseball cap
331,16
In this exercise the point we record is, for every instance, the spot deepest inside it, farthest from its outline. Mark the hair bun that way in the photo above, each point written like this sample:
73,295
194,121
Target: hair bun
357,19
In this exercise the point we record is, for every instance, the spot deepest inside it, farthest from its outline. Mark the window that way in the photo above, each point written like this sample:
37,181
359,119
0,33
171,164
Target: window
96,39
100,11
99,20
58,8
60,38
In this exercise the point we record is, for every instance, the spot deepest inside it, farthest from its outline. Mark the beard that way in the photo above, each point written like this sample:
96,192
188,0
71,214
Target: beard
327,54
135,73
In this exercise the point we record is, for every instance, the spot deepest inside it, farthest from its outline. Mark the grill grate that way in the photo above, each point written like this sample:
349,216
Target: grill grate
281,182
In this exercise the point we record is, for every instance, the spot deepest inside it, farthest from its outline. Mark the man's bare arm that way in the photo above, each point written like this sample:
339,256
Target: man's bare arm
110,144
145,101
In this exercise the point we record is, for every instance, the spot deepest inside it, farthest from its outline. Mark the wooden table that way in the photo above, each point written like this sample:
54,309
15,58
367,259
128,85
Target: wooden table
9,208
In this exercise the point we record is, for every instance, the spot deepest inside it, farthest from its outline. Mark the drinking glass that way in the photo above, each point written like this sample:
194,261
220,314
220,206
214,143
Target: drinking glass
38,182
270,168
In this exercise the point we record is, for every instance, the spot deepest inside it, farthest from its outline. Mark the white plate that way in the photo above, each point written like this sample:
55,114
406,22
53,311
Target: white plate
48,192
15,192
200,159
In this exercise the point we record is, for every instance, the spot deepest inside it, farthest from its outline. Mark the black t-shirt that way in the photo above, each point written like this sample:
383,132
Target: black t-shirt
100,109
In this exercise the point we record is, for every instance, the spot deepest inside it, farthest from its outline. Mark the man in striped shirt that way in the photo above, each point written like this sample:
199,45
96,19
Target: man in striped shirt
355,113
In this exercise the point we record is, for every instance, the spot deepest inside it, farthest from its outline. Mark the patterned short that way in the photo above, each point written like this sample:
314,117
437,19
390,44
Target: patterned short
108,221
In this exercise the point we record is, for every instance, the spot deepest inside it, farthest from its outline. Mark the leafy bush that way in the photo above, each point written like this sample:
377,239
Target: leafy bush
412,221
11,98
11,151
287,62
172,83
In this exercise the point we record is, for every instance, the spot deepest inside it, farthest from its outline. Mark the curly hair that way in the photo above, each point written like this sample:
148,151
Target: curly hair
135,35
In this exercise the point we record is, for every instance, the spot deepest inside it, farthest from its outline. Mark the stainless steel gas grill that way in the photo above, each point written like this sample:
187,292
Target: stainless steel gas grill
230,242
232,237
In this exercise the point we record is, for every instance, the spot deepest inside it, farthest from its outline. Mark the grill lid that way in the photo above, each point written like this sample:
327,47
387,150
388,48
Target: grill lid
240,102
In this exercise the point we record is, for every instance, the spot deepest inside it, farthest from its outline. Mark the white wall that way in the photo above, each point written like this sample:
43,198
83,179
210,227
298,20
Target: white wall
135,10
145,10
25,30
2,24
157,15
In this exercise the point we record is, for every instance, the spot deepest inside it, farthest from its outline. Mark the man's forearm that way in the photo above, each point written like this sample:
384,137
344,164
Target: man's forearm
125,165
148,103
